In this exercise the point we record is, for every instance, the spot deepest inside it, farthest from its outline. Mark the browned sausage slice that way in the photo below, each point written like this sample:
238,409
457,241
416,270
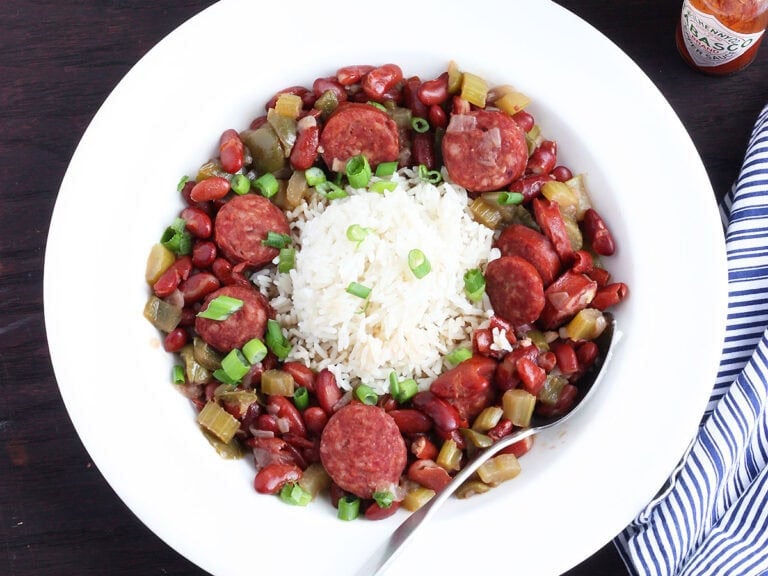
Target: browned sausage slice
359,129
484,150
515,289
551,222
519,240
362,450
247,323
241,225
565,297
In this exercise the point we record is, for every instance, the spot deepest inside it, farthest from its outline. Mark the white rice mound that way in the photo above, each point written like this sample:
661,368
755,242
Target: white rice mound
407,324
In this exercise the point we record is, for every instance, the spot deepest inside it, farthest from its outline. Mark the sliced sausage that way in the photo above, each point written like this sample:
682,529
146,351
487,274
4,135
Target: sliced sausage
551,222
565,297
515,289
362,450
247,323
519,240
467,386
484,150
359,129
241,225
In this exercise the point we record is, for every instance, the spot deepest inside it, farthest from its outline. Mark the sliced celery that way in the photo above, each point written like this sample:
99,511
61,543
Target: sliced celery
449,457
218,422
487,419
161,314
498,469
277,382
474,89
416,498
158,261
518,406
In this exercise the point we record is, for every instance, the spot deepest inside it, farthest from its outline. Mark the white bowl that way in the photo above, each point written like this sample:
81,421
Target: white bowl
581,484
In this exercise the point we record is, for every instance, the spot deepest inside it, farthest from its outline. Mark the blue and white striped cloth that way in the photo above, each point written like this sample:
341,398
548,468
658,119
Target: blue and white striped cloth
712,519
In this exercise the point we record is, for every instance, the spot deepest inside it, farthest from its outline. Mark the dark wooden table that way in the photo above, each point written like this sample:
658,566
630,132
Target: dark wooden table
58,62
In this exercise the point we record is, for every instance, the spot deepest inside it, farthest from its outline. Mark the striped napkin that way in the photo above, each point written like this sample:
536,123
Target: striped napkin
712,517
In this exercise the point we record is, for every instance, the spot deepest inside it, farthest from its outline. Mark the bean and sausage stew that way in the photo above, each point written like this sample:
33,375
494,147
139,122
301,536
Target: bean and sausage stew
544,287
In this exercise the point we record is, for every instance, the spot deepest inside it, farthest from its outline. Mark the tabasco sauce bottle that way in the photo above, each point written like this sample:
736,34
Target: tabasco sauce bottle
721,36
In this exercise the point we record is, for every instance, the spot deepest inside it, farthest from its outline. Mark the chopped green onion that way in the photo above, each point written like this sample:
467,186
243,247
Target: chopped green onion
266,184
221,308
474,284
394,385
295,495
182,183
301,397
357,233
314,176
240,184
358,171
458,356
287,260
382,186
178,375
254,350
418,263
176,238
235,365
358,290
431,176
224,378
419,124
408,389
386,169
377,105
276,341
349,508
384,498
276,240
507,198
330,191
366,395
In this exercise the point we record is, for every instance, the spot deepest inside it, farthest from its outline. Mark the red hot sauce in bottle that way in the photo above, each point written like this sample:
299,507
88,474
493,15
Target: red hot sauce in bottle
719,37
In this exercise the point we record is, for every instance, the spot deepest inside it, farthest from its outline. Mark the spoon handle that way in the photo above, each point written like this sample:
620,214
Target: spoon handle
393,545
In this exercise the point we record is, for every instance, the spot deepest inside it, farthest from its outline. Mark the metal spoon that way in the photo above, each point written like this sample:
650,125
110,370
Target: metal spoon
383,557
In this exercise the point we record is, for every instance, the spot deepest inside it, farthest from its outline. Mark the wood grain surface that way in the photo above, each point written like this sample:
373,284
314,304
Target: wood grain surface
58,62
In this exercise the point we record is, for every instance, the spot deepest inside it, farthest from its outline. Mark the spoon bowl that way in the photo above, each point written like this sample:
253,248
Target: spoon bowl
386,554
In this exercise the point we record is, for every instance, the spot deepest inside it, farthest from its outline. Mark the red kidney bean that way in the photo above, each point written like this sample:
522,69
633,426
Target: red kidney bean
272,478
601,276
302,375
305,149
434,91
268,423
212,188
410,421
197,222
387,403
444,416
506,376
187,316
437,117
567,361
376,512
530,186
210,390
349,75
587,353
249,418
175,340
503,428
379,83
423,448
197,286
411,97
337,493
258,122
282,407
428,474
561,173
520,448
170,279
609,295
223,270
326,390
582,262
203,254
460,106
597,233
231,151
299,91
315,420
323,85
531,375
423,150
525,120
547,361
543,159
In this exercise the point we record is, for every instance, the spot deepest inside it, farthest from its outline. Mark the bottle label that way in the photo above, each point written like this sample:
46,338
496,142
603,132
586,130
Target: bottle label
709,42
